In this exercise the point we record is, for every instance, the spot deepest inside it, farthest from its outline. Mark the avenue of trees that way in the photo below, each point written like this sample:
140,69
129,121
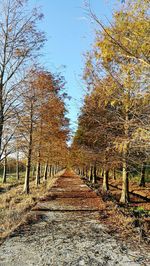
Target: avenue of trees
33,122
114,124
113,133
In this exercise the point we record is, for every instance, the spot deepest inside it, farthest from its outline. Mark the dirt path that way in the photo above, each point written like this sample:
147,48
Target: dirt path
67,232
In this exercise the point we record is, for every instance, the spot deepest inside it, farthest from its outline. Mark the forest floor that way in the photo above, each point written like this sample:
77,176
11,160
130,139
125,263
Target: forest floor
69,225
139,196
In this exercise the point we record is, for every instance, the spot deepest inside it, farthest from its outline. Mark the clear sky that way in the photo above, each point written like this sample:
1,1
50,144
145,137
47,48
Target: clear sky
70,34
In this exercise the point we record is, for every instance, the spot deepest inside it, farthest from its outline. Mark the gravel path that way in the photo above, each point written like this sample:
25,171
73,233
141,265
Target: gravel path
68,232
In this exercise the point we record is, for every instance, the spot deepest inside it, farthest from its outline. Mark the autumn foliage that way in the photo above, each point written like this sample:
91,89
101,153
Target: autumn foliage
113,127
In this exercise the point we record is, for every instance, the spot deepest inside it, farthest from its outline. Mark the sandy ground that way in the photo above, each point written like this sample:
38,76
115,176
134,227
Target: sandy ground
68,232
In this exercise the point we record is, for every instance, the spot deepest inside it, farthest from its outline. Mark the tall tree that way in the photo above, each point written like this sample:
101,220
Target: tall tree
121,52
20,42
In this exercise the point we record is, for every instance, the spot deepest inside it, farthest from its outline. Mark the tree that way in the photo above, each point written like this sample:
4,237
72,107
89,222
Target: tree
20,42
42,120
53,124
97,128
120,54
129,31
28,118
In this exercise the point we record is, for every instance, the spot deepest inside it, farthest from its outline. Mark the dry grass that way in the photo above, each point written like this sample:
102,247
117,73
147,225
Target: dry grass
131,223
133,187
131,230
115,187
14,205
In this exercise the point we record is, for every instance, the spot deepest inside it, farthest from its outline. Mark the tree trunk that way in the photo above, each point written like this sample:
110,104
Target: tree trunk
143,172
91,173
105,186
53,171
50,171
17,166
58,167
38,174
28,166
114,174
27,175
125,181
83,172
94,174
86,172
45,172
125,185
5,169
1,113
80,171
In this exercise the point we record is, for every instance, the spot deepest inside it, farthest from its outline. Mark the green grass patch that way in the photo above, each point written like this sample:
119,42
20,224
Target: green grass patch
139,211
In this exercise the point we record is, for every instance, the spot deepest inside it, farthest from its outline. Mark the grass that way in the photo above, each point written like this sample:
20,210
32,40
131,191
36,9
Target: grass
139,211
130,224
11,178
14,205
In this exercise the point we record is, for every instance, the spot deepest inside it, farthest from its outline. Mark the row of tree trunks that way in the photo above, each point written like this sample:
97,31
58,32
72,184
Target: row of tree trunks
93,172
90,173
49,171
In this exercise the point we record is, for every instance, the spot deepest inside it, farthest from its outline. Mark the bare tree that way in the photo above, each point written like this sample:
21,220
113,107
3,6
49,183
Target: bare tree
19,42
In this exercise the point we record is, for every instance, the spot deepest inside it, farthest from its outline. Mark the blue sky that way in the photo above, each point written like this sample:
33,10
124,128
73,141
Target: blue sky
70,34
